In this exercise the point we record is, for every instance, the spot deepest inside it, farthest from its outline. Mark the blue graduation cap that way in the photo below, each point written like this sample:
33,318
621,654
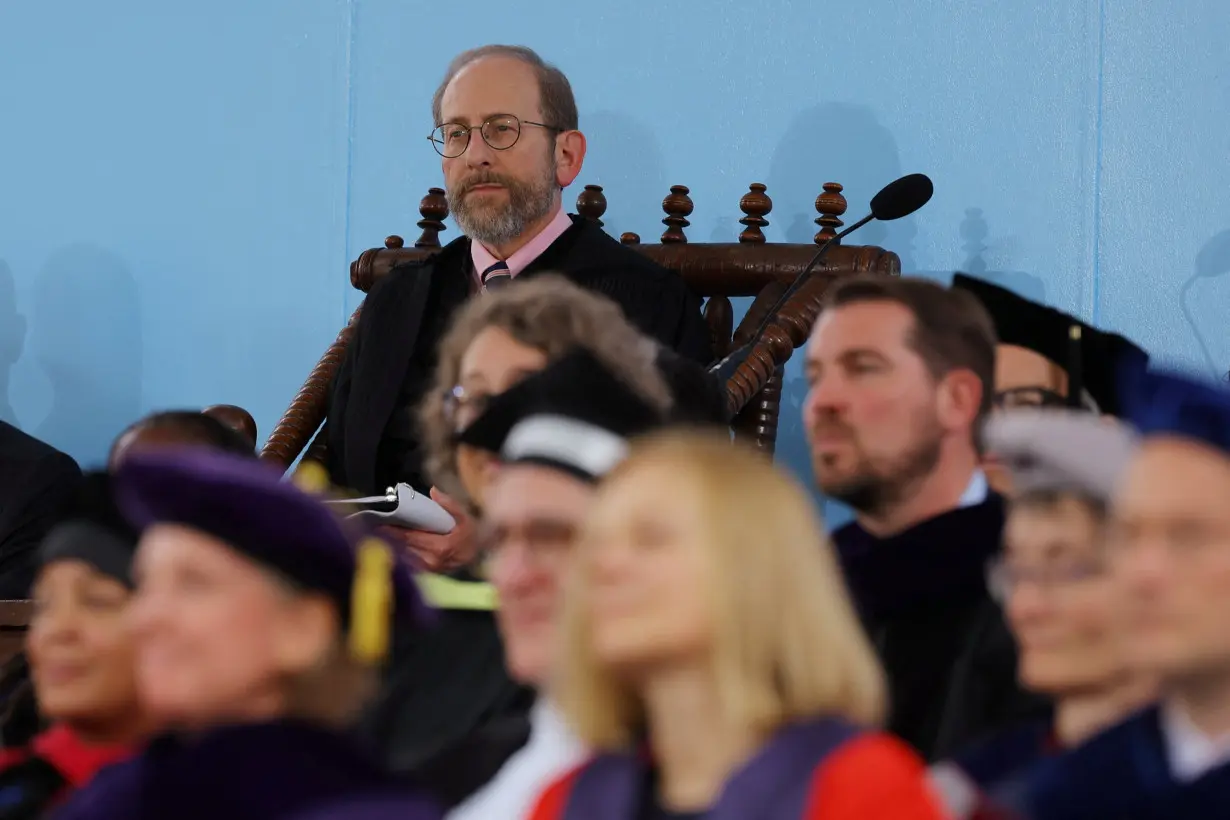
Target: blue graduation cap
1170,403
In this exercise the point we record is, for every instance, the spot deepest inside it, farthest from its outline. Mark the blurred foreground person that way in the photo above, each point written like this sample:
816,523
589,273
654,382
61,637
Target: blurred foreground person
1061,603
259,621
557,433
1170,556
1047,358
708,619
446,683
901,374
80,655
37,483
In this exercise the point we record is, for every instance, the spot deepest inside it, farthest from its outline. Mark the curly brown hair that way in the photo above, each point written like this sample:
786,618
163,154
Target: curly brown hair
553,315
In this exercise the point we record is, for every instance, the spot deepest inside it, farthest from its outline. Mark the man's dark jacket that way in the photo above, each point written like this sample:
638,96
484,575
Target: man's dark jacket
389,362
37,483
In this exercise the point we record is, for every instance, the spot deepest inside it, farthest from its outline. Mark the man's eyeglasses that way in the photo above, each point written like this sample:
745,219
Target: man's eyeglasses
1003,578
1028,397
501,132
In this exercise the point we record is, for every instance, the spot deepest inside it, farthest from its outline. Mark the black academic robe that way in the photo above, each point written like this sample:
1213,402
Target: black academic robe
456,773
949,658
389,362
1123,774
37,483
283,770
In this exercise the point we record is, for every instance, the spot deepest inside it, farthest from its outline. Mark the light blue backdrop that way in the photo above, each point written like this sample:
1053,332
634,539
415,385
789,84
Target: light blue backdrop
182,185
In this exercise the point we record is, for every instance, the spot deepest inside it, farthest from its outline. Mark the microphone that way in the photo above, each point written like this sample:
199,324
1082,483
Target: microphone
899,198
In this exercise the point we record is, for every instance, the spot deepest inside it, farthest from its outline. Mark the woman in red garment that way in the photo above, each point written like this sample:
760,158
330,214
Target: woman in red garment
80,657
713,658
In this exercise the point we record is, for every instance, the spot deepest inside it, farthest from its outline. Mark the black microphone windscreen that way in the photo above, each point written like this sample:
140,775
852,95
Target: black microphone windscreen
902,197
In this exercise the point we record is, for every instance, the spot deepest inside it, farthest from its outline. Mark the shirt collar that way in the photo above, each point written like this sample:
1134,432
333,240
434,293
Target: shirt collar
975,492
528,252
1190,751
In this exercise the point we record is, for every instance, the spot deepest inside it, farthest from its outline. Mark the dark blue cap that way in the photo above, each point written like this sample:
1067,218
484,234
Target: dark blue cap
1168,403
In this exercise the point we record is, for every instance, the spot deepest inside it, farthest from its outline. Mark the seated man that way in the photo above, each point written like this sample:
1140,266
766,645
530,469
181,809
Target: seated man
558,432
506,130
1047,358
37,485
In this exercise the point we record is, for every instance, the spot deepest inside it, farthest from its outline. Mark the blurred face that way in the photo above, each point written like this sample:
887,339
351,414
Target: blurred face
1061,602
79,647
496,195
533,515
645,557
1022,379
493,362
872,412
1171,554
217,636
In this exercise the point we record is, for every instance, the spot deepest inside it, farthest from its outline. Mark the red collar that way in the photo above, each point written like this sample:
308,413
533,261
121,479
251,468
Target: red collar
72,757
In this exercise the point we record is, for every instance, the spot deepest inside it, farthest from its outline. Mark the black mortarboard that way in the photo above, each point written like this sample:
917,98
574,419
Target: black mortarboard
1090,357
576,415
94,531
1160,403
697,396
244,503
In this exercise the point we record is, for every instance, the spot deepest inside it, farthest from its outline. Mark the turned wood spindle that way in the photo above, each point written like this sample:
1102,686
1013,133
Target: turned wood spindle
830,205
591,204
757,422
678,207
755,205
720,317
434,210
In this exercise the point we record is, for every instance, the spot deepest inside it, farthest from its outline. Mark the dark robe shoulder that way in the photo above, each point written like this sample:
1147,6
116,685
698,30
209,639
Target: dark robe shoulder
948,655
270,771
37,483
443,685
1007,754
1123,773
459,771
776,784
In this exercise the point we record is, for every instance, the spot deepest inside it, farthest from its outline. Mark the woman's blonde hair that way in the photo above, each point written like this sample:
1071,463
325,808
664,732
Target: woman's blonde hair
788,645
548,313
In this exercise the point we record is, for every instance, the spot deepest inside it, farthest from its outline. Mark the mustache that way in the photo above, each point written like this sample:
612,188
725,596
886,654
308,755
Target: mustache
830,424
484,178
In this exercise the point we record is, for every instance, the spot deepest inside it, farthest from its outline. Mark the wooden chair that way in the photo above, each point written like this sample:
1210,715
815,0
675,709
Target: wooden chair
717,271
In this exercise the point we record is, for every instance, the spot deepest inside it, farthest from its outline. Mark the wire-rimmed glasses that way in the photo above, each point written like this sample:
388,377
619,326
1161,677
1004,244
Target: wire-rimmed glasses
500,131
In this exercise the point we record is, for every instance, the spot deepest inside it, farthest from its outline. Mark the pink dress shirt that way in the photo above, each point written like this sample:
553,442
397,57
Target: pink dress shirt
528,252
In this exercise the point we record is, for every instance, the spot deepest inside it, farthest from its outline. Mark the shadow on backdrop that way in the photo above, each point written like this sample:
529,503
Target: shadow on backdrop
85,333
625,158
1212,261
975,232
12,336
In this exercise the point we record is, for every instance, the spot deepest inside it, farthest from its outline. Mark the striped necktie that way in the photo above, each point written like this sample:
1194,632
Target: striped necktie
496,276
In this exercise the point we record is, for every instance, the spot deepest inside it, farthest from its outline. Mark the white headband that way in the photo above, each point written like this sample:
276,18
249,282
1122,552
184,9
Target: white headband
581,446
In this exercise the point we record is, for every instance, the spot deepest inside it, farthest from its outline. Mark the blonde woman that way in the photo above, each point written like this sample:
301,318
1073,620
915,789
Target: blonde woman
708,621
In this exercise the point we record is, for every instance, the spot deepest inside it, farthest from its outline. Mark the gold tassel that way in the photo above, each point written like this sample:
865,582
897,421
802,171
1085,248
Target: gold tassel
312,478
371,604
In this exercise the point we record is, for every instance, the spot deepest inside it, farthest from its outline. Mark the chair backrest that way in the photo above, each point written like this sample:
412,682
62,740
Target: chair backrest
715,270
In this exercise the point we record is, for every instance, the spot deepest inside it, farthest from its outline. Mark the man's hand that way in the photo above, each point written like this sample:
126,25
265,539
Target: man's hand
435,552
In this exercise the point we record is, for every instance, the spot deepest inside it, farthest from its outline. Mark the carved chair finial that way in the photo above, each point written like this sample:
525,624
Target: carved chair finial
678,206
830,205
629,238
591,204
755,205
434,210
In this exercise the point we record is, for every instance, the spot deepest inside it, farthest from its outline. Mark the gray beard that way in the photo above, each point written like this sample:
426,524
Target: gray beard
527,203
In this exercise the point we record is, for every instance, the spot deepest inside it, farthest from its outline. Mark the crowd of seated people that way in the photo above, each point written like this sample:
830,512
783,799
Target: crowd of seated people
629,616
